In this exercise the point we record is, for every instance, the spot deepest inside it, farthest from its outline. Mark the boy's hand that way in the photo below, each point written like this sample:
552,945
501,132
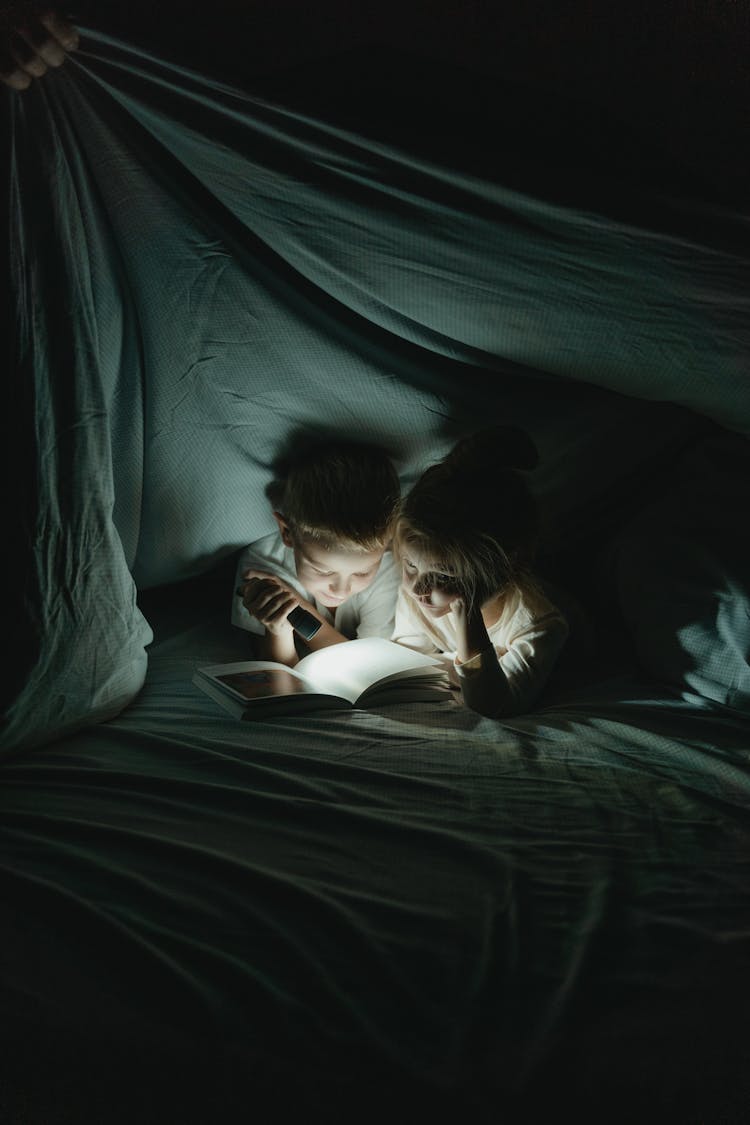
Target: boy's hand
269,599
30,44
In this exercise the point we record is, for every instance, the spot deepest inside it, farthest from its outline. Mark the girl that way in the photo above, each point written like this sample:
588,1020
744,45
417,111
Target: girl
465,539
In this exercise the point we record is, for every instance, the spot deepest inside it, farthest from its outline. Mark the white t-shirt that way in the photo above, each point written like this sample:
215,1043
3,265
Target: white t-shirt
527,638
370,613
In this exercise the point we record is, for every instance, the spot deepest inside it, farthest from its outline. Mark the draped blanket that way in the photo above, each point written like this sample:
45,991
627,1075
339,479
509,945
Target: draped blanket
196,273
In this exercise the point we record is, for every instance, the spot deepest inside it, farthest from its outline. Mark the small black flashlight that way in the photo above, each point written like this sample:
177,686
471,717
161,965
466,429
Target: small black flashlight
303,622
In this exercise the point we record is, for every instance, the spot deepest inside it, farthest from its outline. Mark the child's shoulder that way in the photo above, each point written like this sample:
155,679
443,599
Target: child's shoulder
385,583
389,571
270,547
268,553
530,608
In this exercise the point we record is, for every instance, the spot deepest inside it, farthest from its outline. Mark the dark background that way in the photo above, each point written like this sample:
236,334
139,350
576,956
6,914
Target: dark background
676,73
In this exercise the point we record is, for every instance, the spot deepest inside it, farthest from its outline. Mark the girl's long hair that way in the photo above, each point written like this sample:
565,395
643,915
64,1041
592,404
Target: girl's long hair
474,515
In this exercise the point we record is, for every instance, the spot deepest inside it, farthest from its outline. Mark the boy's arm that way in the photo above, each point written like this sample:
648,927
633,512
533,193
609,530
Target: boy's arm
270,600
326,634
278,647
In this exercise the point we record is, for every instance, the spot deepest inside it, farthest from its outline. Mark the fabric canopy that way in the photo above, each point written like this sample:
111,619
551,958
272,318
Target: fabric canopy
198,273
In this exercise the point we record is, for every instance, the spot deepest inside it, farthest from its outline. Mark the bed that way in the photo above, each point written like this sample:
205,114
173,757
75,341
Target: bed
409,910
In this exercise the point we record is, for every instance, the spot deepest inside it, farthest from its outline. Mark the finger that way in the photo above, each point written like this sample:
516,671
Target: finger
263,574
12,75
48,51
58,27
31,46
270,607
268,602
268,581
24,55
43,42
254,587
257,597
248,587
278,610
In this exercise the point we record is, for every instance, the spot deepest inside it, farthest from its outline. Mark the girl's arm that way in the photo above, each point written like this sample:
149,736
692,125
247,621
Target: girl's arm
484,686
499,682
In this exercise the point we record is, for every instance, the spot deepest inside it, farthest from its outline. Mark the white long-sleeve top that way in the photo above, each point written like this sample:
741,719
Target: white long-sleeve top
527,638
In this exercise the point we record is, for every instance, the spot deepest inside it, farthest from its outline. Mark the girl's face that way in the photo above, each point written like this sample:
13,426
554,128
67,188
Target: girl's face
423,580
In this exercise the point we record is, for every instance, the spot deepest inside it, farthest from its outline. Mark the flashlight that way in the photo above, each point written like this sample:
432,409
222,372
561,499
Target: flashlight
303,622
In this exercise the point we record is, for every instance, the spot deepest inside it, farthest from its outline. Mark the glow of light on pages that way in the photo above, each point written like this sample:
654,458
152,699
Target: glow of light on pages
347,669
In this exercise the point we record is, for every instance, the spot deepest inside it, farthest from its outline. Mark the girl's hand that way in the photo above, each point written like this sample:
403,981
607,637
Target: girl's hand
458,609
269,599
471,632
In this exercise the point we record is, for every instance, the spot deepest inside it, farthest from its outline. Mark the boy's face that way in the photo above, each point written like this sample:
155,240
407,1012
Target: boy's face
331,576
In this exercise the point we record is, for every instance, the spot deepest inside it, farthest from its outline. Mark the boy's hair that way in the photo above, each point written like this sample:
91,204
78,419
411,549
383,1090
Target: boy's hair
474,516
341,494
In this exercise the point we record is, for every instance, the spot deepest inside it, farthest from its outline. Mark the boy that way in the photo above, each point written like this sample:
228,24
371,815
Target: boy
335,509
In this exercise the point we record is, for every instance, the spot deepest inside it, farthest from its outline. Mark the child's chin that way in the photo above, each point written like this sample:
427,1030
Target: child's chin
436,610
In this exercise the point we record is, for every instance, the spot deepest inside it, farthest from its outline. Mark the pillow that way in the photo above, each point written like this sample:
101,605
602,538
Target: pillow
84,657
683,574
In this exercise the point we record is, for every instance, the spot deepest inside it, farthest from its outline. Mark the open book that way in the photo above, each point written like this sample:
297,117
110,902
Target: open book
368,672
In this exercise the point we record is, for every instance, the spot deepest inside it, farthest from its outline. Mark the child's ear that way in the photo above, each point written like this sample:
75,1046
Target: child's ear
286,535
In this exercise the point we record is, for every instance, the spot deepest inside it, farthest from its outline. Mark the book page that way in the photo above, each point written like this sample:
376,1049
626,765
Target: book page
262,683
246,680
349,669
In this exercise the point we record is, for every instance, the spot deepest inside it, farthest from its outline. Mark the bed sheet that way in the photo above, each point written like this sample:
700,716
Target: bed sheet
415,897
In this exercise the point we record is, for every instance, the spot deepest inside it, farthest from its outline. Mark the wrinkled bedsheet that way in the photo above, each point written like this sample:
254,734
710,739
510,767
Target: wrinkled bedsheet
416,893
